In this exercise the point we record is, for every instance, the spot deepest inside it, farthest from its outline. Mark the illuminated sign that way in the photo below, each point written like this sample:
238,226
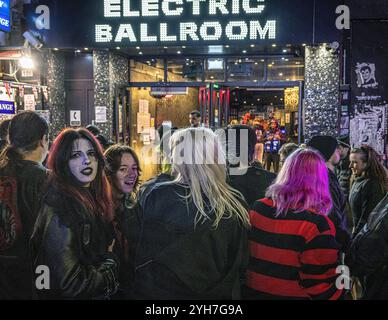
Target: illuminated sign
130,23
7,107
210,29
5,21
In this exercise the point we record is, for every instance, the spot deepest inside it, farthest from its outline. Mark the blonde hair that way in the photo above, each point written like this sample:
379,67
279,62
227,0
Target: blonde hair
198,161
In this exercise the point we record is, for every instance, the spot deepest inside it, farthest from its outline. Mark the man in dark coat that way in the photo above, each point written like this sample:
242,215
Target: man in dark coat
329,149
251,181
343,170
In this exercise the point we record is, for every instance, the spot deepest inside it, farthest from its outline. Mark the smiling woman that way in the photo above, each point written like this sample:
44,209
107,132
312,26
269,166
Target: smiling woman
123,171
74,235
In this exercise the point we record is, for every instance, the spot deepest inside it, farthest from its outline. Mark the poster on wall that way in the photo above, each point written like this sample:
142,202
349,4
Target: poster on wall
369,85
101,115
143,106
368,127
291,99
143,122
29,102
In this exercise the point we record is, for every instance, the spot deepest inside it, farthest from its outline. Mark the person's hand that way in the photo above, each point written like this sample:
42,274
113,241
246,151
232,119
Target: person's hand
110,248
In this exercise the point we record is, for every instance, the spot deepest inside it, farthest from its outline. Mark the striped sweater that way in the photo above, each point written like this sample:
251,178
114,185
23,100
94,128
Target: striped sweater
292,256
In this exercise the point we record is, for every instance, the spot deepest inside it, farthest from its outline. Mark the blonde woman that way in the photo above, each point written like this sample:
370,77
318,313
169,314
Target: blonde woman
193,242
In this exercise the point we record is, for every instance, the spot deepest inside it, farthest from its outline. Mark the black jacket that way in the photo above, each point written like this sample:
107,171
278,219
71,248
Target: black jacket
368,257
176,260
364,197
337,213
127,227
15,263
252,184
344,173
73,244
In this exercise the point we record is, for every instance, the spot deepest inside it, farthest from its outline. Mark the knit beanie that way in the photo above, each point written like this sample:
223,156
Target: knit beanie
326,145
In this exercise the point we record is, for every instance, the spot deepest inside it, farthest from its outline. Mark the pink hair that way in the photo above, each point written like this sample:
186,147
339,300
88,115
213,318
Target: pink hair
302,184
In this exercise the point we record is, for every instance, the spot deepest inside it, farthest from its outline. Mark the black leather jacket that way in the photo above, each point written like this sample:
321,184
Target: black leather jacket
73,244
15,264
176,260
368,258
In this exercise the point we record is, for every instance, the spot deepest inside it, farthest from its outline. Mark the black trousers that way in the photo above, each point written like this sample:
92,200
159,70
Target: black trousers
272,158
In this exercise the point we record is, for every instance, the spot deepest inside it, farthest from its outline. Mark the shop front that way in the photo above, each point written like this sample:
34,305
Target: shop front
132,66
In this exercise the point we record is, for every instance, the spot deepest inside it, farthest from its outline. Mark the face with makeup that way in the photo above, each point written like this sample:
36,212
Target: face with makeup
126,176
83,162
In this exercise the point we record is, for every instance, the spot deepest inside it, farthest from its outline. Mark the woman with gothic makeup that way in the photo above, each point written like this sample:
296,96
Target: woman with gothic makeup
123,171
74,235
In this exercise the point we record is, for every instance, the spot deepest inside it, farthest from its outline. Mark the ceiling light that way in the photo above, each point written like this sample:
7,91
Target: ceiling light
244,51
274,45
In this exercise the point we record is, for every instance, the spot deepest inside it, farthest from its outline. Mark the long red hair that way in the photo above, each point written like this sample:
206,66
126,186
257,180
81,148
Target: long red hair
64,181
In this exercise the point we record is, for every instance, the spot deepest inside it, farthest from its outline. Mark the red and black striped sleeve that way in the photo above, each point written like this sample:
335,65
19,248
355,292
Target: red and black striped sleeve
319,261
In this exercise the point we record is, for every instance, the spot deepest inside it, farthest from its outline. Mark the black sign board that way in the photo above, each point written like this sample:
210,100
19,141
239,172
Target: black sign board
130,23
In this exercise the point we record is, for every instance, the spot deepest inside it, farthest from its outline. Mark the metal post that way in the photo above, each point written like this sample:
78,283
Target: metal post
300,113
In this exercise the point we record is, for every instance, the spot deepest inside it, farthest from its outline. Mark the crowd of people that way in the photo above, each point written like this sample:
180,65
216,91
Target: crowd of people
207,227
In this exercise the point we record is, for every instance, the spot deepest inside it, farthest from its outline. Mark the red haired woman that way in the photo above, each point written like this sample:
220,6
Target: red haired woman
293,250
73,235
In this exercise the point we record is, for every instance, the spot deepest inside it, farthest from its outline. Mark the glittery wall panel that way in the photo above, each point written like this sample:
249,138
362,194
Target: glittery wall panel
321,103
56,87
118,75
102,88
110,73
